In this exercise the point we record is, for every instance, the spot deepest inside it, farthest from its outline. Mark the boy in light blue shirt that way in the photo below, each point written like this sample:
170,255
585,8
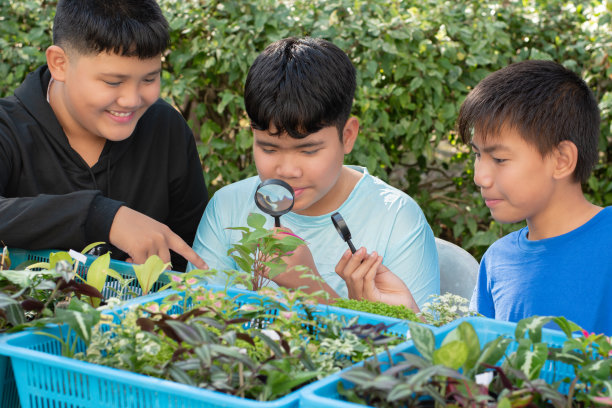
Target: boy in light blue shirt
298,96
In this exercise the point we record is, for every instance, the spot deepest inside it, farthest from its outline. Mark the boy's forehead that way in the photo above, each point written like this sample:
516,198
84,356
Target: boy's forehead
319,137
500,136
109,63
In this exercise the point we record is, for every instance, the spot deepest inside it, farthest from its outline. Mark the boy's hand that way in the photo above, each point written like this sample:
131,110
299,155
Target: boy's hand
300,256
367,278
141,236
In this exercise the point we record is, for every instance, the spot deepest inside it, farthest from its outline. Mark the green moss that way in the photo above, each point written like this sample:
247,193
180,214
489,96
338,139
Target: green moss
397,311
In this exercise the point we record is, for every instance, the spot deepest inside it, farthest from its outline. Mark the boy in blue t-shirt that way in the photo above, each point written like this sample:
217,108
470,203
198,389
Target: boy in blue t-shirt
534,129
298,96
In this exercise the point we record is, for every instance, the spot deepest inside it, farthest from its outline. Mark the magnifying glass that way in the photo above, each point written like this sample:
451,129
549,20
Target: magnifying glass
274,197
342,229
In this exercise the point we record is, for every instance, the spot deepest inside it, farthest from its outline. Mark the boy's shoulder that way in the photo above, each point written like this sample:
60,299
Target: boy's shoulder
238,189
516,246
371,188
162,111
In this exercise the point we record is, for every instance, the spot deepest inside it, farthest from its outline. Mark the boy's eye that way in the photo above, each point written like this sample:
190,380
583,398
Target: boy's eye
112,83
476,154
267,150
150,80
309,152
498,161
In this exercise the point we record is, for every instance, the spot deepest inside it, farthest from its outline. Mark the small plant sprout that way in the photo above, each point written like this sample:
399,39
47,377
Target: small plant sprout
259,252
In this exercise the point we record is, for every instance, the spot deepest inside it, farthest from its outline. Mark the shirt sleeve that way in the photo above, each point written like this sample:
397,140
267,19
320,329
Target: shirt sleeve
412,253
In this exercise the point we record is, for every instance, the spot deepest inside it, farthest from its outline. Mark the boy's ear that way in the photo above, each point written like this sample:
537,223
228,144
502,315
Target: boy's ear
57,61
349,134
566,158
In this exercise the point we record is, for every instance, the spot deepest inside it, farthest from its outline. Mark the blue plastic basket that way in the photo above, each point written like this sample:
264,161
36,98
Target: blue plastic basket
45,379
9,397
125,269
325,392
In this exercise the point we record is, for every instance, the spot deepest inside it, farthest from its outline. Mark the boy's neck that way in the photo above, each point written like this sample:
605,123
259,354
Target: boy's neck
564,214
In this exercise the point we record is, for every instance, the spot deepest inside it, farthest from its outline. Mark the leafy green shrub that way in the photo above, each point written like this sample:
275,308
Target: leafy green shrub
416,62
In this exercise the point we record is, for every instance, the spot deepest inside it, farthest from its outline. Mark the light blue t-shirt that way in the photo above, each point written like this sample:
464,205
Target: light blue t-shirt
569,275
381,218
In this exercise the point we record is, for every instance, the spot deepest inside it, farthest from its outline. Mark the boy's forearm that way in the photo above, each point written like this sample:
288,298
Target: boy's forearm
46,221
293,280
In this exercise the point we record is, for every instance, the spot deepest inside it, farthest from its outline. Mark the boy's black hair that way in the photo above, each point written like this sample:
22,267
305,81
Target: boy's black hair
544,101
124,27
299,86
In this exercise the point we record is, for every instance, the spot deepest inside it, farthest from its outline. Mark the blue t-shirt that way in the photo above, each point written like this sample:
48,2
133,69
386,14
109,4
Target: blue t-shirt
569,275
381,218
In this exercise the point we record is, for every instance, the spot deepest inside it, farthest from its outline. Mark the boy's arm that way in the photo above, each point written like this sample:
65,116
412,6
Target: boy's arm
48,221
141,236
293,278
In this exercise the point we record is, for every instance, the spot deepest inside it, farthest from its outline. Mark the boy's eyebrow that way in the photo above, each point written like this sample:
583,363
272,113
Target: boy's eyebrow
121,76
304,145
490,148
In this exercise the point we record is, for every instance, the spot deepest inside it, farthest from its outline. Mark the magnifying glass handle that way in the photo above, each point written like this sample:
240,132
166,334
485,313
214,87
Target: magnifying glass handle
351,246
277,222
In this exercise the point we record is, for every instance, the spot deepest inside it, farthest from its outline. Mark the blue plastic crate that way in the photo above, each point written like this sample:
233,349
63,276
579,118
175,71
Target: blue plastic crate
125,269
47,379
8,390
325,392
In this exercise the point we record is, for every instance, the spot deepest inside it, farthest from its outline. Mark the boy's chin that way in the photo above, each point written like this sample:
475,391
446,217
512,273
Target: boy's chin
506,220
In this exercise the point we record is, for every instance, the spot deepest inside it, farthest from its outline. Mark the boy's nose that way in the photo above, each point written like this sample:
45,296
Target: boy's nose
288,168
129,98
482,176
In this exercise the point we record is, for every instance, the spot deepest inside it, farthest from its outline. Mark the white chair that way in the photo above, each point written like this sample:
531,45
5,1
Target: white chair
458,269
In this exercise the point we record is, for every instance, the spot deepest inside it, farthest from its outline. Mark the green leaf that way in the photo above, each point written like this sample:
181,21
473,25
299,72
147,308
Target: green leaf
504,403
529,361
96,274
255,220
79,316
423,339
55,257
466,333
491,353
148,273
596,370
453,354
532,326
415,83
567,326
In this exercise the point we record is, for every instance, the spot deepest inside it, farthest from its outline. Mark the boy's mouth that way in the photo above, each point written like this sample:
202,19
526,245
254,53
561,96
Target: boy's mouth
298,191
121,116
490,202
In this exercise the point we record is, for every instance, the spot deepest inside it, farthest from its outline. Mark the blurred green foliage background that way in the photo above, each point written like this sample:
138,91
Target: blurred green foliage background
416,61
